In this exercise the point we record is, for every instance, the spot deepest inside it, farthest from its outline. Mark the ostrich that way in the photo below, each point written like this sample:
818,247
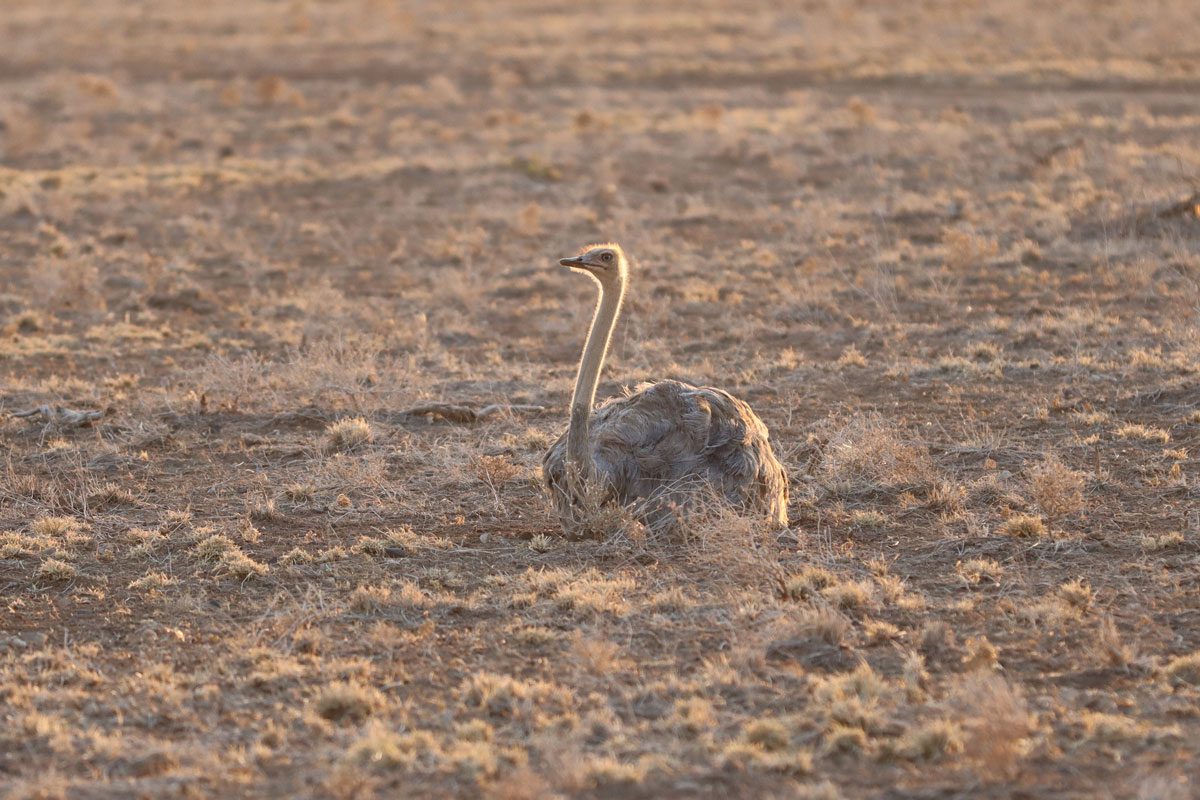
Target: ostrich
663,448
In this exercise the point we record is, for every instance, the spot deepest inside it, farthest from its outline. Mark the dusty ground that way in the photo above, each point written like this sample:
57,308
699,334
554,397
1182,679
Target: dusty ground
951,257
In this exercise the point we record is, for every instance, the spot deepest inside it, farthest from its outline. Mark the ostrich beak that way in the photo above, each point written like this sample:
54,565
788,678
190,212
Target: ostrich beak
575,262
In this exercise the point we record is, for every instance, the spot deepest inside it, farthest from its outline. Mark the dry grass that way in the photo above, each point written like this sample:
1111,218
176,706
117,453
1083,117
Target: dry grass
1024,525
945,250
346,435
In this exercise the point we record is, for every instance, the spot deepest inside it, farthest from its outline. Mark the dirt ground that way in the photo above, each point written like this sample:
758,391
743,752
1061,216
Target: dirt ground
949,251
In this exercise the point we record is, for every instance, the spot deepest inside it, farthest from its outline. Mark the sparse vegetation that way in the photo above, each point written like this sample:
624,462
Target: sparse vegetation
347,434
1024,525
948,251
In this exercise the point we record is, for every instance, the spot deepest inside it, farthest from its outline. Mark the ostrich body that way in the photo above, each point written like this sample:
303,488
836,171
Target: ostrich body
662,449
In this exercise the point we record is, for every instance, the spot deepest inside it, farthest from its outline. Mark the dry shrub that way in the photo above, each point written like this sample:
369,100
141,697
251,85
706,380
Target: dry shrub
151,582
334,370
214,547
981,655
347,702
768,733
381,748
592,592
913,676
716,542
766,744
1056,488
55,527
851,357
1183,670
347,435
68,285
967,249
541,543
1144,433
594,655
369,599
851,595
110,494
869,453
1112,728
996,723
1077,594
808,583
1109,648
693,716
590,515
823,623
844,740
520,784
976,570
992,490
237,564
54,569
504,696
931,740
937,640
1024,525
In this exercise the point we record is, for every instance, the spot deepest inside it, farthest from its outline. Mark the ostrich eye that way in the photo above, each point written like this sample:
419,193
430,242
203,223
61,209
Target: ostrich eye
606,257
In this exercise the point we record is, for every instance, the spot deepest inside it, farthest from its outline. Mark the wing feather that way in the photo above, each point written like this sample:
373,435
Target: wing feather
667,440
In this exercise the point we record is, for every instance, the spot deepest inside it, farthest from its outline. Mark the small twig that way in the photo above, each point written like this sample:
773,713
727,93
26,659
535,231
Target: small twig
57,415
465,414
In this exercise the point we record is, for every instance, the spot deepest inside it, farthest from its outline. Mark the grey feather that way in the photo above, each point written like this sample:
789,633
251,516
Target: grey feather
671,443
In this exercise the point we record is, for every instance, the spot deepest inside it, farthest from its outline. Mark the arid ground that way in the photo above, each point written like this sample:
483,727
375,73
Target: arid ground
949,251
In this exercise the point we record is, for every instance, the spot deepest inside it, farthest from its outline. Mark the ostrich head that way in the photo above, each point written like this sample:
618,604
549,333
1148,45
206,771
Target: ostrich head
606,263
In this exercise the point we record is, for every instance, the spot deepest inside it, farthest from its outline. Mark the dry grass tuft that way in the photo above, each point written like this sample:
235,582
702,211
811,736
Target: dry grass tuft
109,495
1024,526
541,543
214,547
1111,728
369,599
1078,594
845,740
981,655
1183,670
379,748
346,702
152,582
1056,488
808,583
850,357
53,569
977,570
996,723
1110,648
693,716
1143,433
867,453
1152,543
55,527
347,435
967,250
931,740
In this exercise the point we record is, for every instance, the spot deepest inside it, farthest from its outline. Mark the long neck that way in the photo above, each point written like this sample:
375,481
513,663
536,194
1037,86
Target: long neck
604,319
